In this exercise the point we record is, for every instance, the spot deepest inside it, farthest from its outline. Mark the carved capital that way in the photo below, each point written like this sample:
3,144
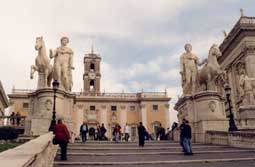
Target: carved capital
142,106
80,106
122,107
103,106
167,106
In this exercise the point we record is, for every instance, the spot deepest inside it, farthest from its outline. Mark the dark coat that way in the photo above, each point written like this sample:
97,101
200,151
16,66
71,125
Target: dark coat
181,130
187,131
81,130
141,130
61,133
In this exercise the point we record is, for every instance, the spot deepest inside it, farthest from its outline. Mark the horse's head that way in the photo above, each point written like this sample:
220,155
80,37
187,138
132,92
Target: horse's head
215,51
39,43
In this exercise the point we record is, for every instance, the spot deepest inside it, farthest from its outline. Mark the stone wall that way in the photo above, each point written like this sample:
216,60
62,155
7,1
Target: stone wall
39,152
235,139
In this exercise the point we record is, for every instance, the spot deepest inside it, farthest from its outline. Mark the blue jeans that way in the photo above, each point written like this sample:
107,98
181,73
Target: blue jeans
187,145
181,144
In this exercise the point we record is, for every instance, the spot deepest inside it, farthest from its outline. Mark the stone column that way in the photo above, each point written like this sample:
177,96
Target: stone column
78,119
123,116
144,115
167,116
104,117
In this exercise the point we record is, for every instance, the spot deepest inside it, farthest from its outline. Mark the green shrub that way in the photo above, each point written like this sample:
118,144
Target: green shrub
8,133
6,146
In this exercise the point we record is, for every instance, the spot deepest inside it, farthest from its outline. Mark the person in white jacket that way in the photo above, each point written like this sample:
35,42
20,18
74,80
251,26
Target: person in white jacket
127,131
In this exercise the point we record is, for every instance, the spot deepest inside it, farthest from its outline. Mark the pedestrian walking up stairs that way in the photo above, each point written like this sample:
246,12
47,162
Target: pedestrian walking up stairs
154,154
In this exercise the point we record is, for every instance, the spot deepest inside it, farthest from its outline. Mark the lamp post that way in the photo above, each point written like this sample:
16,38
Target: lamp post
232,125
55,85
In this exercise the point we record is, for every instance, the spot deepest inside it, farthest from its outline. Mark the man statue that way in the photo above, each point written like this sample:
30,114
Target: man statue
63,64
189,70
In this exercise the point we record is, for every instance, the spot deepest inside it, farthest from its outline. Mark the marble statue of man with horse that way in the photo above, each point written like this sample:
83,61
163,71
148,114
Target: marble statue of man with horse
207,78
61,69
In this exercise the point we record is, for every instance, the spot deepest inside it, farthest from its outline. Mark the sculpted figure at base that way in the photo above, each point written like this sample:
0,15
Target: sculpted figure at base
63,64
189,70
42,65
246,88
211,75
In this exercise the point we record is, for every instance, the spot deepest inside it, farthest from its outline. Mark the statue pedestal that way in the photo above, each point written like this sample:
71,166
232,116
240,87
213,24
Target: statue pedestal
247,117
40,114
205,111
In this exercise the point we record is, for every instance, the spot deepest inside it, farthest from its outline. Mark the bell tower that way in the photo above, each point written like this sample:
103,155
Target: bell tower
92,75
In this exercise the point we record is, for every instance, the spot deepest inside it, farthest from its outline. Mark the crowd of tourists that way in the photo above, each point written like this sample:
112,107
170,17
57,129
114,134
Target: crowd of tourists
62,135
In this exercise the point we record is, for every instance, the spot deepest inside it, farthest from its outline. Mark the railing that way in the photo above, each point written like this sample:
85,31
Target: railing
22,91
117,95
125,95
17,122
247,20
39,152
236,139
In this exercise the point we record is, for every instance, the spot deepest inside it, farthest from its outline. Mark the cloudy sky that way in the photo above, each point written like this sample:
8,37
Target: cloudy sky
140,41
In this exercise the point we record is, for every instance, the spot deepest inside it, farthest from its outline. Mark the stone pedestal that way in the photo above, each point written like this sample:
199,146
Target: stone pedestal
40,114
247,117
205,111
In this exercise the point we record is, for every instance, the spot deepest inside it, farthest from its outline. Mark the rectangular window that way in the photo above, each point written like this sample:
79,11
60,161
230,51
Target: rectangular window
114,108
155,107
92,108
25,105
132,108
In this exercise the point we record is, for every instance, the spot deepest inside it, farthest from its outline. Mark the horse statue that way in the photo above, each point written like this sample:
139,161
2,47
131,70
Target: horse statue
42,65
211,75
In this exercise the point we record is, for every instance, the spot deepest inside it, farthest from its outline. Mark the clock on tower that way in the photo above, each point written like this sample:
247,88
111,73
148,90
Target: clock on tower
92,75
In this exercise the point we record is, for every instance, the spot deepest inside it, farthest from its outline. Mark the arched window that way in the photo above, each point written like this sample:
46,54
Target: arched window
92,67
92,85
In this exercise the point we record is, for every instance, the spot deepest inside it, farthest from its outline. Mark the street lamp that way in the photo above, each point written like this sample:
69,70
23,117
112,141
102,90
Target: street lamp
232,125
55,85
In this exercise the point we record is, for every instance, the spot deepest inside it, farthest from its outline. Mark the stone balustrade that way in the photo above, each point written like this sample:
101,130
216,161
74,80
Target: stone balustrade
39,152
12,121
241,139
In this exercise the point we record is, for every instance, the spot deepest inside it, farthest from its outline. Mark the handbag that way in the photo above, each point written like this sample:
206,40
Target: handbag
54,141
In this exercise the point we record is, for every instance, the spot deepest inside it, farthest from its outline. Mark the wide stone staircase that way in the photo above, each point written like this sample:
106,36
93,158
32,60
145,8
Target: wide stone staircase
154,154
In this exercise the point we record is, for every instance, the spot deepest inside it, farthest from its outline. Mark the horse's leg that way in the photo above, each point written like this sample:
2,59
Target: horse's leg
50,76
32,71
46,73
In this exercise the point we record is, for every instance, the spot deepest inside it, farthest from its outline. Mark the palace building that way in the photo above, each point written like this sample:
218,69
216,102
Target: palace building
96,107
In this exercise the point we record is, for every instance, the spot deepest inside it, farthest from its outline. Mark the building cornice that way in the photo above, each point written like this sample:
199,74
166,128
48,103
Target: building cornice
244,27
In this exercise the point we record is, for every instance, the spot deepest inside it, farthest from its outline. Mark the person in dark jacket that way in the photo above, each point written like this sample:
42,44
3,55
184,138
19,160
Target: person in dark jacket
103,131
83,131
117,134
187,138
141,134
181,134
62,137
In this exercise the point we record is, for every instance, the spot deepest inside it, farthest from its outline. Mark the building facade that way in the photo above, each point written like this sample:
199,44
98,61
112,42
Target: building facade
96,107
238,60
